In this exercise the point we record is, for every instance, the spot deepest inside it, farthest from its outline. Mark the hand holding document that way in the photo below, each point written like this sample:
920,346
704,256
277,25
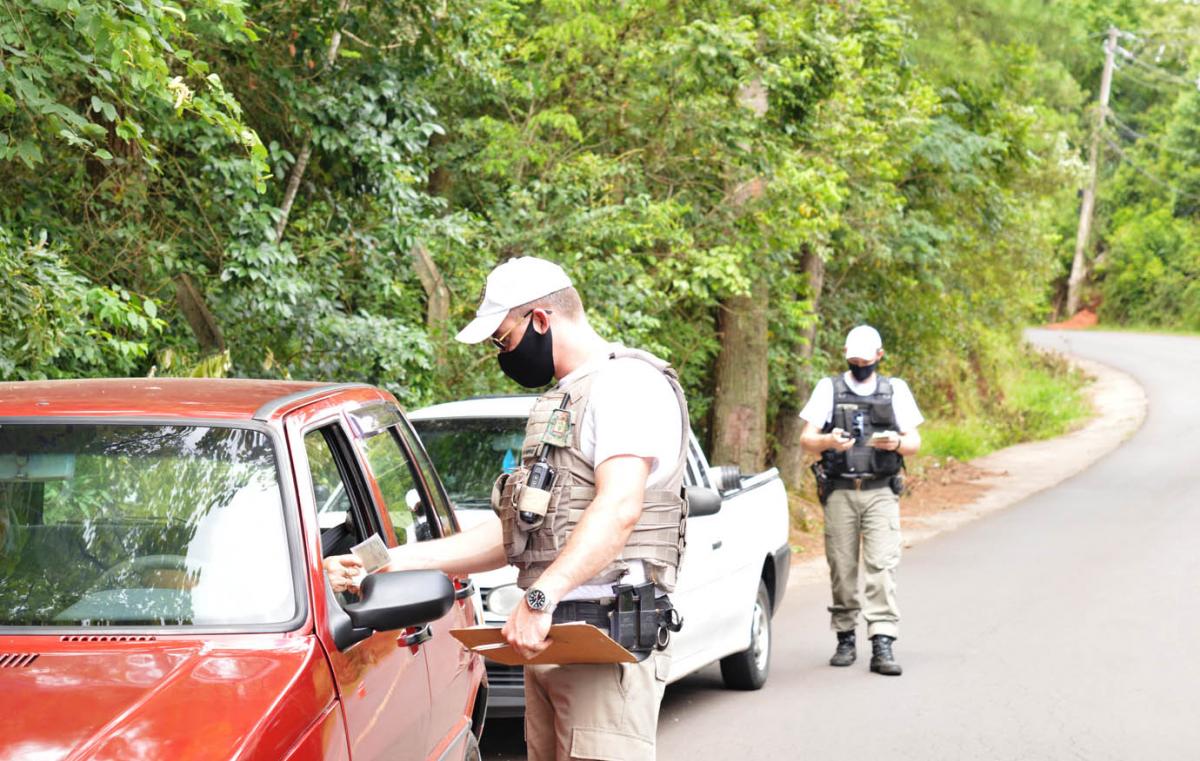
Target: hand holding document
374,555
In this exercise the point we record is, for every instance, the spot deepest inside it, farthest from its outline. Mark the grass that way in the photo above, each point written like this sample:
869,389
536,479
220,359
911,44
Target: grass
1042,399
1106,327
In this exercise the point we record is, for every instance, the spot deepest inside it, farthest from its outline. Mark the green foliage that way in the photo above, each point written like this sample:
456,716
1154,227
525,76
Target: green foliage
55,324
99,76
1035,397
670,155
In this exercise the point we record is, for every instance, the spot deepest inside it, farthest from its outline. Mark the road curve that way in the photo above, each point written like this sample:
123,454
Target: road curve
1060,628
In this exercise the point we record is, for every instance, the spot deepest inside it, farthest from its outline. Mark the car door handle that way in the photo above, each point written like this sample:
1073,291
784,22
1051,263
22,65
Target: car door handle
414,636
717,544
466,590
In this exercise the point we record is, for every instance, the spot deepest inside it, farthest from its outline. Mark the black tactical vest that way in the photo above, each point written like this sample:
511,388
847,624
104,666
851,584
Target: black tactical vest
861,416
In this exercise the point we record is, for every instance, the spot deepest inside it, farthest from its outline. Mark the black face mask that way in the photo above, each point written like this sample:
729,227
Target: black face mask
531,362
862,372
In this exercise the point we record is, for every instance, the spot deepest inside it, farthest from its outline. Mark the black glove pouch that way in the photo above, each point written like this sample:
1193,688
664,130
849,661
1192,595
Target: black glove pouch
641,622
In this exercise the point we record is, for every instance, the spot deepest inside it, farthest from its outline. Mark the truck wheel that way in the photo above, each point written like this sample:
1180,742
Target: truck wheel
472,752
747,670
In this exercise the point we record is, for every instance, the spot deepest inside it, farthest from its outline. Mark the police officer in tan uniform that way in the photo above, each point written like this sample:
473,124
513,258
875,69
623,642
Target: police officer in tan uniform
608,521
862,424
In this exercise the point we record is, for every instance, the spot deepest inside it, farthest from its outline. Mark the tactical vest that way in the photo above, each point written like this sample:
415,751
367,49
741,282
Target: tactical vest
657,539
862,416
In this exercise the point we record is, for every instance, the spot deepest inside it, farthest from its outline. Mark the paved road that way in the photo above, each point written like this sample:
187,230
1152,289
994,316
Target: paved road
1066,627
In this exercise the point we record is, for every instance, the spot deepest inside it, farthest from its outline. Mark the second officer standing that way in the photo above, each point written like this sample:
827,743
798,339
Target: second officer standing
862,424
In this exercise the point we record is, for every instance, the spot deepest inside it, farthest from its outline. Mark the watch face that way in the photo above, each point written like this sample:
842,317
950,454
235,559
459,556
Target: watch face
536,599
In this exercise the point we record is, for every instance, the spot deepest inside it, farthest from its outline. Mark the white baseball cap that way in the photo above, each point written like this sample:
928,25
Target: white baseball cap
515,282
863,343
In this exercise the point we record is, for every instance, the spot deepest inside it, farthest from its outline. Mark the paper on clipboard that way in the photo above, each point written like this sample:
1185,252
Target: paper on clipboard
569,643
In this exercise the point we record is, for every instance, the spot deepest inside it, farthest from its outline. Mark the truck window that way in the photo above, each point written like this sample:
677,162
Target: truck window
697,473
437,494
398,484
134,525
343,524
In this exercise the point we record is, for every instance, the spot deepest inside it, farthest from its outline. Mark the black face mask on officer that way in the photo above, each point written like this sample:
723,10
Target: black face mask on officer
531,362
862,372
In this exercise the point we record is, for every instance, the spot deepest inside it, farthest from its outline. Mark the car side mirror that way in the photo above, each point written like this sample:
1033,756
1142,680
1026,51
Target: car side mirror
702,501
400,599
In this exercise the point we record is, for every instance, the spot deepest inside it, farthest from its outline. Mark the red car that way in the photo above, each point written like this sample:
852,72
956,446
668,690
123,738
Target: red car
161,589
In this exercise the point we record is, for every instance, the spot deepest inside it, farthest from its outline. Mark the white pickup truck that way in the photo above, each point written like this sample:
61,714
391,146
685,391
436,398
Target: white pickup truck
734,571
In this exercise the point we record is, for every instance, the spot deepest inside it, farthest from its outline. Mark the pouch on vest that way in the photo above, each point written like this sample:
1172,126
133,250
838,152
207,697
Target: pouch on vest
507,494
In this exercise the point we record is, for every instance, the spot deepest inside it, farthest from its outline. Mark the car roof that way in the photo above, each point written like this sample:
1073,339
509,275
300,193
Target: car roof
203,398
510,406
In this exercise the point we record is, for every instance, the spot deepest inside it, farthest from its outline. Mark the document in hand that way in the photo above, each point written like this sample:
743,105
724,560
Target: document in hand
569,643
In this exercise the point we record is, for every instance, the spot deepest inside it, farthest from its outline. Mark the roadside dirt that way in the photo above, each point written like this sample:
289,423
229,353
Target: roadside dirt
934,487
947,494
1084,318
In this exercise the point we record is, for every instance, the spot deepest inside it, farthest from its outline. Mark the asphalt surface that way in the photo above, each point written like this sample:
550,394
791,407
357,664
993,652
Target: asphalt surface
1064,627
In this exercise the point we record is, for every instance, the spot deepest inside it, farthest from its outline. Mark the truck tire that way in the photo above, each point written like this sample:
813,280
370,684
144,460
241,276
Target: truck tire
747,670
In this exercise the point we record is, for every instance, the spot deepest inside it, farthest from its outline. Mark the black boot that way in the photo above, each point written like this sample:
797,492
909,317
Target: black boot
882,660
846,650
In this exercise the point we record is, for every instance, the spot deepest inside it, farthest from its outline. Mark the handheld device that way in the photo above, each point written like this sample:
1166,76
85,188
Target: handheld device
535,498
858,426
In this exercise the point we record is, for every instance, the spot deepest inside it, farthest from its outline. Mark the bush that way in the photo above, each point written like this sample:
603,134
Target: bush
56,325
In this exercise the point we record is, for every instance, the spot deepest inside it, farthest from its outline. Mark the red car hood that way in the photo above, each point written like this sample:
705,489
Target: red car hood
219,698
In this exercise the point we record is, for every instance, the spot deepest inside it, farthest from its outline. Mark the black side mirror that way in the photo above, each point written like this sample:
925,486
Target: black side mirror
401,599
702,501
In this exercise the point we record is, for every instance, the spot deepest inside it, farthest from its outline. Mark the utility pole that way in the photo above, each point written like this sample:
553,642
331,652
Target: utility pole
1078,265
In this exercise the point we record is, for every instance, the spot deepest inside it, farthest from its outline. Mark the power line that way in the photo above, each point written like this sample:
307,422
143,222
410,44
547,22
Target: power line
1158,70
1152,177
1128,73
1123,126
1133,134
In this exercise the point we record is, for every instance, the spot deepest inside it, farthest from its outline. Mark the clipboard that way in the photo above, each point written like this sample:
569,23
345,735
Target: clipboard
575,642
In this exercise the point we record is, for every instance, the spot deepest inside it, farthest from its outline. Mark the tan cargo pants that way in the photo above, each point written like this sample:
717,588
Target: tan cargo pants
870,518
603,711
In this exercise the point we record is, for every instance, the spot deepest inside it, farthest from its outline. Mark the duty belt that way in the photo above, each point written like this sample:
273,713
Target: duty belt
635,618
859,484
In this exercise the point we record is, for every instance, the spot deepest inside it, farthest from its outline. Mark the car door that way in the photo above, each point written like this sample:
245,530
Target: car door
700,572
382,682
415,502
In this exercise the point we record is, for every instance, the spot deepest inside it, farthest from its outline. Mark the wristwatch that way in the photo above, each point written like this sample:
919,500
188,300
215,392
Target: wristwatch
538,602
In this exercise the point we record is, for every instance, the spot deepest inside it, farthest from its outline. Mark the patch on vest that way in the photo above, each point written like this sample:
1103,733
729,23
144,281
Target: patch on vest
558,429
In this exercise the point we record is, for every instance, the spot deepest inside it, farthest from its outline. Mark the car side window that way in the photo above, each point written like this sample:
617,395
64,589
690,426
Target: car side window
342,525
398,485
437,494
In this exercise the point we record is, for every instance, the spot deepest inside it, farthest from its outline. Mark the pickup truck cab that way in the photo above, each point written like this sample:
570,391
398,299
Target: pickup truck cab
161,587
734,571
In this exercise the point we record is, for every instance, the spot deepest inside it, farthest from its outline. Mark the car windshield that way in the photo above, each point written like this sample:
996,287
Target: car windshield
470,453
141,525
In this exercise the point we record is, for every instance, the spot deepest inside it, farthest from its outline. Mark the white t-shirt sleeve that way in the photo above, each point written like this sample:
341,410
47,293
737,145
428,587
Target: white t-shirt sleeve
632,410
908,417
819,409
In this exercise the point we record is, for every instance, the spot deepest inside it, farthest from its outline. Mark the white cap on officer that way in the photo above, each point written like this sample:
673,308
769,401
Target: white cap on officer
863,343
515,282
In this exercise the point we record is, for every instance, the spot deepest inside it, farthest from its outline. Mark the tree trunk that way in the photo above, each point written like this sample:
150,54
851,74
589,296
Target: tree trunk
740,399
297,173
789,457
436,290
200,318
740,404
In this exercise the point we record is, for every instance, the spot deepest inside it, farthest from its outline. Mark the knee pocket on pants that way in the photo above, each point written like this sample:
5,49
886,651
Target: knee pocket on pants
609,745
